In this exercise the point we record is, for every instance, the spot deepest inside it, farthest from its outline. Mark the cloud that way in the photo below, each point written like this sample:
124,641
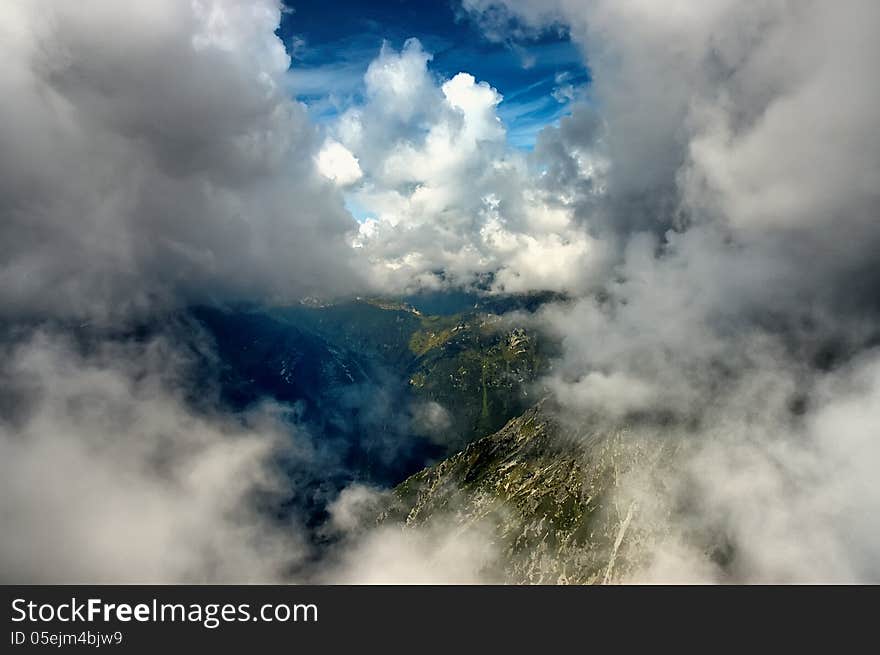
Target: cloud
110,475
354,508
399,82
782,500
437,554
335,162
432,419
150,156
738,168
451,204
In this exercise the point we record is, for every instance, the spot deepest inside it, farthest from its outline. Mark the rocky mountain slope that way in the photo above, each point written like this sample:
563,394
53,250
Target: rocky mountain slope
548,496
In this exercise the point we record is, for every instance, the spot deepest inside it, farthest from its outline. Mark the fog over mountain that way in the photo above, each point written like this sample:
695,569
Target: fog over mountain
694,243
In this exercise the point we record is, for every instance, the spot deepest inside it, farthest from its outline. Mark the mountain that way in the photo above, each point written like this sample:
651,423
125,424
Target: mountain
482,370
474,364
479,368
261,356
360,376
548,496
381,389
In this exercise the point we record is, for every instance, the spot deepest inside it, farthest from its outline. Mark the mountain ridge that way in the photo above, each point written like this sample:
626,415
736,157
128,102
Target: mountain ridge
547,496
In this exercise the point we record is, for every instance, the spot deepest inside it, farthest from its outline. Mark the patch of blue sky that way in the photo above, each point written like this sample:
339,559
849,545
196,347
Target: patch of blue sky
332,44
525,119
354,208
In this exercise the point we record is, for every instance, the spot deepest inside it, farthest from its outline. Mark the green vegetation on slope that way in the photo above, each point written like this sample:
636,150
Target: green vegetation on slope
433,332
480,369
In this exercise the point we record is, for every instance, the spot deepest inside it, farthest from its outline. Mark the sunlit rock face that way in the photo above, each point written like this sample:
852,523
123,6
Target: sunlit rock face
547,497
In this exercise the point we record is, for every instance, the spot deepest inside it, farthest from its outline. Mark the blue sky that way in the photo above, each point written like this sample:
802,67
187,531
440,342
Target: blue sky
333,42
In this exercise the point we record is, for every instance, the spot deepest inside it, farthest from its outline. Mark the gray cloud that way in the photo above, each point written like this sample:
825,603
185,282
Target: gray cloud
150,155
110,475
740,202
